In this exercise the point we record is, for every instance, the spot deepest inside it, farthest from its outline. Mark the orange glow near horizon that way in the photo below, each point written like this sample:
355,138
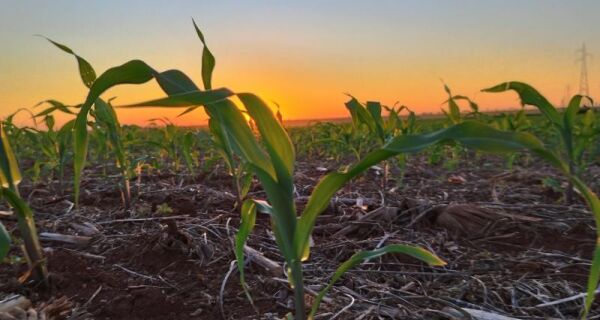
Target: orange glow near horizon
396,51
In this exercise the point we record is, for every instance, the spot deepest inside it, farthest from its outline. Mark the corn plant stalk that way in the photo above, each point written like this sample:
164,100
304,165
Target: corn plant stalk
4,242
9,179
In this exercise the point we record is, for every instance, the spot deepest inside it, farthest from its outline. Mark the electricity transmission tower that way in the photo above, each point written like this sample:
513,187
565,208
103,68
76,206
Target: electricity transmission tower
584,88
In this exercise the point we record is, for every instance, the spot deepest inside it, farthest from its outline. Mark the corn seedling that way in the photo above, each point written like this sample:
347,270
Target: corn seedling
55,146
517,122
10,177
566,124
370,115
574,138
106,119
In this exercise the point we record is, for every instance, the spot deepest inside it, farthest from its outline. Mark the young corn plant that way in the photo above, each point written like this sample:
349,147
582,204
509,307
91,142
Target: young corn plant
453,117
576,134
574,142
517,122
10,177
54,143
106,119
397,125
370,116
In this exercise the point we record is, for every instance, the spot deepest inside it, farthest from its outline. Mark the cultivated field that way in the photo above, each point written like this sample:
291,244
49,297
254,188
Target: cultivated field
389,216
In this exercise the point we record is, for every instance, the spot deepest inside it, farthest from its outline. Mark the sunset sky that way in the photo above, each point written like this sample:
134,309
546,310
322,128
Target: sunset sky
302,55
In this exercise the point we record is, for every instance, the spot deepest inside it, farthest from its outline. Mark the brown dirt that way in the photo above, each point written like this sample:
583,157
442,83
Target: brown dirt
531,250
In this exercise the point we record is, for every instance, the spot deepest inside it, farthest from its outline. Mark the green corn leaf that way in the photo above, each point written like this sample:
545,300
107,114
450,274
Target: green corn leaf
362,256
222,143
454,111
10,176
240,136
188,110
105,114
360,115
132,72
283,212
474,106
4,242
28,231
393,121
247,223
188,144
594,204
374,109
571,113
588,122
54,105
274,135
530,96
175,81
49,120
593,279
208,60
186,99
87,73
471,134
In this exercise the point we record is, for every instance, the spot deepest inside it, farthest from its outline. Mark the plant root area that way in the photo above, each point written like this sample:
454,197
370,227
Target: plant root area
513,247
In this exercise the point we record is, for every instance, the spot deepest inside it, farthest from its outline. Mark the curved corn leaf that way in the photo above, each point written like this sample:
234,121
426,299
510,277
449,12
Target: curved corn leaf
570,115
105,114
453,113
238,132
569,119
190,99
54,105
593,203
188,144
132,72
87,73
10,176
472,104
174,81
359,114
208,60
278,143
28,231
471,134
374,109
362,256
222,143
530,96
593,279
4,242
248,213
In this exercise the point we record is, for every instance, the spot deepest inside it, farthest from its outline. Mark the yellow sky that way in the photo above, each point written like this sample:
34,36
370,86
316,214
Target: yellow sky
303,57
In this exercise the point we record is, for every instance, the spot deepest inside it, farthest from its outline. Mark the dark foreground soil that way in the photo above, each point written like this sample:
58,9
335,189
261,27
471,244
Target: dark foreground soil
512,246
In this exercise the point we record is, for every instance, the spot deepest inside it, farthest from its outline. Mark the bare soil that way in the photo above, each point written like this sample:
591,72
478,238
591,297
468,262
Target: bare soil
510,242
